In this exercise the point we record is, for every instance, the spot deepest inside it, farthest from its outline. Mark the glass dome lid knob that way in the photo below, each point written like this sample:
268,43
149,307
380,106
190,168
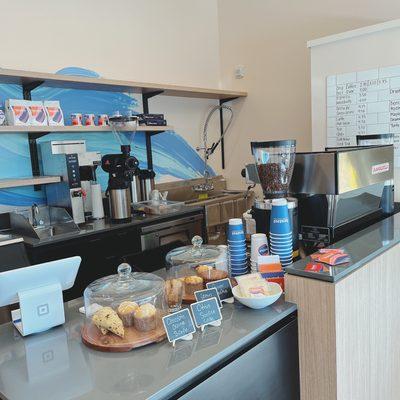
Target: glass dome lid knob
124,271
197,241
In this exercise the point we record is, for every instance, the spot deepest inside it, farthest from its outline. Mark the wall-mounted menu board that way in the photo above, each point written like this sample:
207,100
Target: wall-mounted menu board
365,102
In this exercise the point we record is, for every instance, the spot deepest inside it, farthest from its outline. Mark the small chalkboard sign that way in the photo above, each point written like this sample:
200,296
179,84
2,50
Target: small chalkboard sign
224,288
206,312
179,326
208,294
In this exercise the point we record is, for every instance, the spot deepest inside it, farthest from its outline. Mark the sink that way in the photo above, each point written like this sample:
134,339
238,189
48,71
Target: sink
53,221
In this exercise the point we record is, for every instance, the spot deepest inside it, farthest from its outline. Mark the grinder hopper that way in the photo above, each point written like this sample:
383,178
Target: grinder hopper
274,162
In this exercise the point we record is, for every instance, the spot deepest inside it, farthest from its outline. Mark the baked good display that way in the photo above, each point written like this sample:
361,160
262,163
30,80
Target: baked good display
196,265
107,320
126,310
192,284
145,318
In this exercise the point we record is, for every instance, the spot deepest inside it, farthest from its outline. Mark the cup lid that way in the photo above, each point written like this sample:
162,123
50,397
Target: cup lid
235,221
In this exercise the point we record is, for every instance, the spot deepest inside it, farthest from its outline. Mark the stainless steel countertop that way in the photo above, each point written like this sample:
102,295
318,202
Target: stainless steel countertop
105,225
57,365
362,247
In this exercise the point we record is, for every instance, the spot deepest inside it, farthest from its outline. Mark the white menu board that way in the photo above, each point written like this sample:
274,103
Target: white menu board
360,103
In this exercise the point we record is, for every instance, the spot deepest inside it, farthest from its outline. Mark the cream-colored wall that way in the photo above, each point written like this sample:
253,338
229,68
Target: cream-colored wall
166,41
269,39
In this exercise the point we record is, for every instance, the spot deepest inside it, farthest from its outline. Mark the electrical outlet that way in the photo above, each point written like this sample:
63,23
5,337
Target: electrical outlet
239,72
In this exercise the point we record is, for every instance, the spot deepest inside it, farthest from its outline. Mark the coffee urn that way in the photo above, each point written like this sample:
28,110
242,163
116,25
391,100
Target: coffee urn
121,169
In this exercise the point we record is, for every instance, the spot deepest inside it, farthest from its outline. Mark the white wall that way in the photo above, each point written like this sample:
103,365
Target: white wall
366,50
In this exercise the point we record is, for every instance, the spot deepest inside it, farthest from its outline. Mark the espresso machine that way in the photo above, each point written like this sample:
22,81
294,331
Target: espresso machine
121,169
61,158
273,168
340,191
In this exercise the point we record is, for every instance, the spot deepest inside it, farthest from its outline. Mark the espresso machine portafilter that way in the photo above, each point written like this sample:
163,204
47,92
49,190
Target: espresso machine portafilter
121,169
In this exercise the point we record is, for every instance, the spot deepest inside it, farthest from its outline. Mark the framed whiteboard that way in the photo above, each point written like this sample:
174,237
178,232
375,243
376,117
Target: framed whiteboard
364,102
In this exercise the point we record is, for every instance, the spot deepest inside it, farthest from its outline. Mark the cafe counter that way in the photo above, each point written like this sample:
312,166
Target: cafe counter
253,354
349,325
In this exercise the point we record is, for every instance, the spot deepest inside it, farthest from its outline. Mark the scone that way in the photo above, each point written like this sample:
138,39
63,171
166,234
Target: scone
192,284
145,317
174,290
126,310
106,319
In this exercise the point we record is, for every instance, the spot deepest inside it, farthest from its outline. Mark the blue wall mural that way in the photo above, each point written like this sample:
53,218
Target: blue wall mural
173,157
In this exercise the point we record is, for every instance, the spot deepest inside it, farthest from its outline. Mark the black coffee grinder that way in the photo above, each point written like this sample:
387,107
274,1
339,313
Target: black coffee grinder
121,169
274,161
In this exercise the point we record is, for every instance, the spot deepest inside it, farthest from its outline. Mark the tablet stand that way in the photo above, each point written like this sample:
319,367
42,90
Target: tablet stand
41,308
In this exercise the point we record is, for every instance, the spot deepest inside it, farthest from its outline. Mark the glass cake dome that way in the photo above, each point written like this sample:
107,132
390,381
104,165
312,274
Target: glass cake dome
124,309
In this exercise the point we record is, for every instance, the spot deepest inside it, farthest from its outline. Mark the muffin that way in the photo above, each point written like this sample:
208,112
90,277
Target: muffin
174,291
145,317
192,284
126,310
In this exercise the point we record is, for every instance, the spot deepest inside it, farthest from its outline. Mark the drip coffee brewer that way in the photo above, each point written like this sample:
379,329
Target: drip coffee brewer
274,161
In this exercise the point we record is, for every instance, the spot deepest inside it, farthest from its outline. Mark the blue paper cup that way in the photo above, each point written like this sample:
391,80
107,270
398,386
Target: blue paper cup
286,249
238,259
235,229
237,246
237,263
238,267
237,253
279,222
236,243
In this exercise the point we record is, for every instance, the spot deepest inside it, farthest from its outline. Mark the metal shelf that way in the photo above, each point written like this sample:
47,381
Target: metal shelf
28,181
71,129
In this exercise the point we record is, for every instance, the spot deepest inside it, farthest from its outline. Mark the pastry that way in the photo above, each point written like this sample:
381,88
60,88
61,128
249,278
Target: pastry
203,269
174,290
145,317
192,284
210,274
126,311
107,320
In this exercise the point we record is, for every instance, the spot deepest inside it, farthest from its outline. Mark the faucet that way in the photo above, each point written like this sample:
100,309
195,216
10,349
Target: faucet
35,212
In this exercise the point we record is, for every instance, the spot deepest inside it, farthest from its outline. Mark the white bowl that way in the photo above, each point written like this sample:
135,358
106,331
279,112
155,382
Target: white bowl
259,302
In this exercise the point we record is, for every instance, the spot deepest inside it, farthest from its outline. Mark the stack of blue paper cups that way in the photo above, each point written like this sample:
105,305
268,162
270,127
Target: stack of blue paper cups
237,247
280,235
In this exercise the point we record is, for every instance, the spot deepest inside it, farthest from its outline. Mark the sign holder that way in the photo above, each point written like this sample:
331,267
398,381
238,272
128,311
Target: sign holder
199,319
224,289
179,326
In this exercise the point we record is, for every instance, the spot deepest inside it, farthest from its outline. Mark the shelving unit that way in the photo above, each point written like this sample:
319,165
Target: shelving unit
31,80
84,129
27,181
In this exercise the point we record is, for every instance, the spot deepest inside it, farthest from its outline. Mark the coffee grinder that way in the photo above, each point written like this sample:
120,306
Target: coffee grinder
274,162
121,169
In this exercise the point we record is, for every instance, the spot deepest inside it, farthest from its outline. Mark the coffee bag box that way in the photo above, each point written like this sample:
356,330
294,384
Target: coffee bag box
17,112
54,113
38,116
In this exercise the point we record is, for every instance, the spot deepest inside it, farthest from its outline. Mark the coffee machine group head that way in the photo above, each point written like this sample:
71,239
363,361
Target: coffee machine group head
121,169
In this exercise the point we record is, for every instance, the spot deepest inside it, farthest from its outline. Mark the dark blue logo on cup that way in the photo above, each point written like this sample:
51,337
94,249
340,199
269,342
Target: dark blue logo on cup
263,250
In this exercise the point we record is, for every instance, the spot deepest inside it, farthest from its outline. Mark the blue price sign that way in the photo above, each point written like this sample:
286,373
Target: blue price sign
224,288
206,312
207,294
178,325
